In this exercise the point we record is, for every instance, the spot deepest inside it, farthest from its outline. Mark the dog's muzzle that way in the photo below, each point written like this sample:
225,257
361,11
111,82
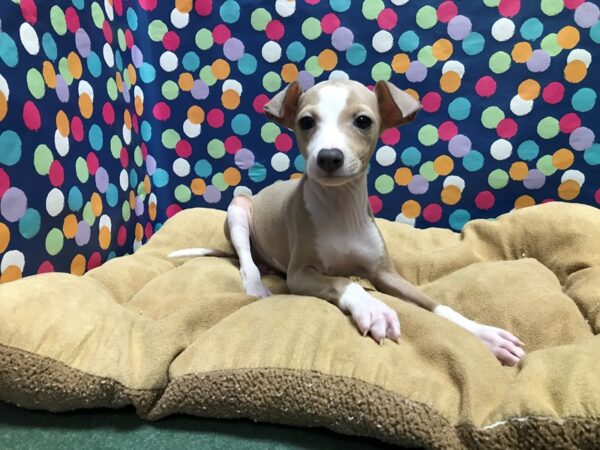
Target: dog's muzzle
330,159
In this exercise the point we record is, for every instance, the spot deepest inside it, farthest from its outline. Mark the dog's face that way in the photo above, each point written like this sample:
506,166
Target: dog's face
337,124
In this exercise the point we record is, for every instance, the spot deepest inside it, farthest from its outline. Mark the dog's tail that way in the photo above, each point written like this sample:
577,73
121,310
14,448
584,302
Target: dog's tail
187,252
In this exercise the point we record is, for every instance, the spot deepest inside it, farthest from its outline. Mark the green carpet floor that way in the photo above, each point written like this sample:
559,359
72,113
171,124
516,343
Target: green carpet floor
123,430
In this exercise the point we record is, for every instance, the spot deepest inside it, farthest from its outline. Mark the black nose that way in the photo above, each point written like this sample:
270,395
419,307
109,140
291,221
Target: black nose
330,159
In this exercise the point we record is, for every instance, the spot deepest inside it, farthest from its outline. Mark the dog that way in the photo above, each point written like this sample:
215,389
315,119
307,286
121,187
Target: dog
320,229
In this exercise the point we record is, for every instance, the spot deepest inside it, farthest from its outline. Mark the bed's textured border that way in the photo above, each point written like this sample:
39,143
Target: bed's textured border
302,398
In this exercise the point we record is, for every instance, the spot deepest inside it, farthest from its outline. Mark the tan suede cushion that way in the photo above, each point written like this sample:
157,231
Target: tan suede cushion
181,336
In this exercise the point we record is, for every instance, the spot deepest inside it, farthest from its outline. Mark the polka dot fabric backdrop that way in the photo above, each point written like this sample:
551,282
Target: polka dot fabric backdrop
116,114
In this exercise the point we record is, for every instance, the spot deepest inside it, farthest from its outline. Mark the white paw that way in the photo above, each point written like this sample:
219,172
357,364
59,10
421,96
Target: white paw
374,317
253,283
503,344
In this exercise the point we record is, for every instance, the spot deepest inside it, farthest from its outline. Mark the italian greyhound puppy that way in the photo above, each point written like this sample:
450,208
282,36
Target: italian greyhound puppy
320,229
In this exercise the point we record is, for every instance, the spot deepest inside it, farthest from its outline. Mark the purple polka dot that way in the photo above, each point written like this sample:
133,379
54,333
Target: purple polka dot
539,61
581,138
418,185
83,233
417,72
342,39
126,95
459,145
137,58
139,206
83,43
233,49
13,204
62,90
200,90
212,194
535,179
306,80
459,27
587,15
101,179
150,164
244,158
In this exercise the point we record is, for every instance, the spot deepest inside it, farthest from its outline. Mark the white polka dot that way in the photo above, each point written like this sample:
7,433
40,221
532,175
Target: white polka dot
339,75
520,106
55,202
29,38
109,10
61,143
382,41
179,19
285,8
280,162
137,92
181,167
403,219
271,51
191,130
109,56
105,222
126,134
152,198
501,149
574,175
385,156
85,87
580,54
242,190
136,245
13,258
454,66
4,87
123,180
453,180
399,2
503,29
168,61
233,85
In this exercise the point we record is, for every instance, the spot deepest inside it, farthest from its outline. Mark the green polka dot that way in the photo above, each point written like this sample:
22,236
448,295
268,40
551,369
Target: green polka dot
204,39
552,7
156,30
216,148
427,171
115,146
207,75
548,127
183,193
57,19
384,184
381,71
81,169
126,78
372,8
312,66
428,135
121,39
141,191
425,56
491,116
498,179
126,211
88,215
170,90
35,83
272,81
550,44
269,132
499,62
491,3
170,138
426,17
111,89
54,241
97,15
218,180
138,157
311,28
260,18
63,68
42,158
545,165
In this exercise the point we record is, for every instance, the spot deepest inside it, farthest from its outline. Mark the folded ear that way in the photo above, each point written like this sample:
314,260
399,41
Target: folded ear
282,108
395,106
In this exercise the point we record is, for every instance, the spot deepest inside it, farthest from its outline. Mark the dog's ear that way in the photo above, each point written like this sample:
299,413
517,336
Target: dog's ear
396,107
282,108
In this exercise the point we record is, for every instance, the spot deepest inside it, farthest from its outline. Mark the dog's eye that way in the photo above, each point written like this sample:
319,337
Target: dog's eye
306,123
363,122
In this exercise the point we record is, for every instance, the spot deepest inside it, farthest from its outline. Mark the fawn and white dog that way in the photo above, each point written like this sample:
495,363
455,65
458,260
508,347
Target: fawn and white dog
320,229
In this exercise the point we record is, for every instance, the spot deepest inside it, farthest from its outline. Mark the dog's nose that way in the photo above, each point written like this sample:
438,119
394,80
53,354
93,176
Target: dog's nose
330,159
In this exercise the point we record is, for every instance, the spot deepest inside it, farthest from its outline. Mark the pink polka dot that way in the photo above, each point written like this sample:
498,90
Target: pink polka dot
203,7
92,163
108,113
118,6
431,102
107,31
329,23
509,8
376,203
72,19
597,196
129,41
124,158
29,11
485,86
161,111
94,260
183,148
387,19
77,128
573,4
31,116
447,11
283,142
122,236
170,41
391,136
569,122
148,231
45,267
172,210
215,118
148,5
221,33
553,93
275,30
4,182
485,200
259,103
134,123
432,213
312,2
548,200
56,173
232,144
144,150
507,128
447,130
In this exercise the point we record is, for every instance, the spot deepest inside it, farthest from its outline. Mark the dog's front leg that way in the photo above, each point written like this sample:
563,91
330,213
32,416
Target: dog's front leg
370,314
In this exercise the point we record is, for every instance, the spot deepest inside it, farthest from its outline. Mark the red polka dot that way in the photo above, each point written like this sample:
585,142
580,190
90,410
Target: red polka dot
509,8
183,148
275,30
259,103
118,6
283,142
107,31
312,2
507,128
45,267
553,93
221,33
485,86
376,203
391,136
387,19
447,11
29,11
56,173
31,116
124,158
573,4
94,261
485,200
329,23
72,19
122,236
431,102
4,182
161,111
172,210
170,41
108,113
597,196
144,150
148,231
548,200
77,128
203,7
232,144
215,118
569,122
432,213
447,130
129,41
148,5
92,163
134,123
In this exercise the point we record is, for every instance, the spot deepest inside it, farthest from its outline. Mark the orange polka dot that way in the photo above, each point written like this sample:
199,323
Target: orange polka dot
70,226
568,37
568,190
104,238
85,105
139,105
411,209
295,176
186,81
400,63
74,65
78,265
529,89
183,6
195,115
442,49
198,186
575,71
563,158
49,74
414,94
119,81
450,82
3,106
328,59
4,237
147,185
451,195
518,171
96,201
132,199
289,72
127,118
11,273
220,69
230,99
403,176
524,201
62,123
132,74
152,211
232,176
521,52
139,231
443,165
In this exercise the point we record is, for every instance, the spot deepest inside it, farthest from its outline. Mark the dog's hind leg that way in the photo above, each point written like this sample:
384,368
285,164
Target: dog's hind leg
239,220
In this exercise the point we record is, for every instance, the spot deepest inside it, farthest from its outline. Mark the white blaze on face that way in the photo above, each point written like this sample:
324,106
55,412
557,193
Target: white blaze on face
332,101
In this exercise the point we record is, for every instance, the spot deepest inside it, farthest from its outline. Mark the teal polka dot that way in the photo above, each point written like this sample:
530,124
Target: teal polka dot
10,148
247,64
190,61
458,219
257,172
49,46
528,150
592,155
300,163
75,199
410,156
95,137
8,50
532,29
230,11
584,99
29,223
112,195
203,168
356,54
133,178
147,73
146,131
473,44
473,161
340,5
295,52
240,124
132,19
595,33
408,41
94,64
160,178
459,108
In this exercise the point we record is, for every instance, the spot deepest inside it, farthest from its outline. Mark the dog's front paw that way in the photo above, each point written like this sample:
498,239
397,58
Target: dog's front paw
505,346
374,317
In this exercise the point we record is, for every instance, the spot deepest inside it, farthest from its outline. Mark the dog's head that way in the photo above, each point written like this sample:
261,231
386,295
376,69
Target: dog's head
337,123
